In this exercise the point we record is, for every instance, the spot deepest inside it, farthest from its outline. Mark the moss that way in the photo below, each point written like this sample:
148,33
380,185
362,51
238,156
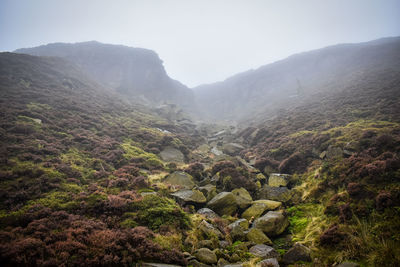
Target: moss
129,223
131,151
154,211
80,161
37,106
169,241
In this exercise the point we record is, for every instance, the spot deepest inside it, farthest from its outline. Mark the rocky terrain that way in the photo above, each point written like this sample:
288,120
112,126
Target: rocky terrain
88,178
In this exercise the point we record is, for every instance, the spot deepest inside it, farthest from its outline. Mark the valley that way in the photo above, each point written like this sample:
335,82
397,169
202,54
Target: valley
107,161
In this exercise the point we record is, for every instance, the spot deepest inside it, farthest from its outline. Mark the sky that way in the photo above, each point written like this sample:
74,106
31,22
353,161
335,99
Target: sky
200,41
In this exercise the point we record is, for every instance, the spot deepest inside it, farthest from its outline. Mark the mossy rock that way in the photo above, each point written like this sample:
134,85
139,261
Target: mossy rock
243,198
179,178
224,203
272,224
278,179
282,194
257,236
205,255
194,196
171,154
258,207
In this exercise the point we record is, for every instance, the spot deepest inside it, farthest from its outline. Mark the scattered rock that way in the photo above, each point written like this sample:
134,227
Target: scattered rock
237,229
243,198
232,149
222,262
180,179
273,262
196,263
209,214
264,251
209,230
205,255
278,179
257,236
223,244
272,224
150,264
194,196
282,194
205,244
258,207
298,252
170,154
224,203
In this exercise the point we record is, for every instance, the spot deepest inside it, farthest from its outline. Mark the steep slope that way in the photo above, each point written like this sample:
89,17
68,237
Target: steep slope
292,81
134,72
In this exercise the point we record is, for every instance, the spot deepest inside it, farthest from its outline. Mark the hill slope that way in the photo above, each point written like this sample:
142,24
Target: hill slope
134,72
292,81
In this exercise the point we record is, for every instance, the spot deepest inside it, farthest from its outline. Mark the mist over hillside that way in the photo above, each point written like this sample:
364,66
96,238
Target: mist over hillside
107,161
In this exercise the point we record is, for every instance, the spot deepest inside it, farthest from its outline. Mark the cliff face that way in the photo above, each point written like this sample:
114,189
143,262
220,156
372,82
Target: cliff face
133,72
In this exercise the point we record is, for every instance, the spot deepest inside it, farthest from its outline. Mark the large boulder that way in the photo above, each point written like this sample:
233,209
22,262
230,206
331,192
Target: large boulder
209,191
190,196
206,256
237,229
170,154
232,148
263,251
181,179
224,203
298,252
278,179
243,198
258,207
272,224
273,262
257,236
282,194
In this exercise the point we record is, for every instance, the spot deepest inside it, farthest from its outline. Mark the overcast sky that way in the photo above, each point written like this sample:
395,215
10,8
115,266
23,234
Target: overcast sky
200,41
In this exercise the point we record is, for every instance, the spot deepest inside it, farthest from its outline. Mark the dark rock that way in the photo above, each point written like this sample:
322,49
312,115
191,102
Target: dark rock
264,251
298,252
208,213
224,203
272,224
282,194
206,256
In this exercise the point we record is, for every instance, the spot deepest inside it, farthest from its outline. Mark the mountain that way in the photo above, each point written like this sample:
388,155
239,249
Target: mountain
133,72
294,80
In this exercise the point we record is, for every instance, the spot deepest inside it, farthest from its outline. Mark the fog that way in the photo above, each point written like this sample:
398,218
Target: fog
200,41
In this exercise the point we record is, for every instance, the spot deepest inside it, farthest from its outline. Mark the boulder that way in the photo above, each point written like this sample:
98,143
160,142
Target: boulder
334,152
232,148
237,229
206,256
190,196
282,194
273,262
224,203
272,224
209,191
278,179
298,252
206,244
257,236
209,230
170,154
258,207
179,178
222,262
263,251
243,198
209,214
196,263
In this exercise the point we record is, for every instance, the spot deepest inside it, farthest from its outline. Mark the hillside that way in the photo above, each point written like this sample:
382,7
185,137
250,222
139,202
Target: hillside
304,173
134,72
290,82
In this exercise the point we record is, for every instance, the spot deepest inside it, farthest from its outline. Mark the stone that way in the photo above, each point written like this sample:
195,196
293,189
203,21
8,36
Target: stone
348,264
258,207
272,224
298,252
150,264
194,196
223,204
206,256
209,191
232,149
209,230
334,152
171,154
196,263
222,262
282,194
179,178
208,213
257,236
278,179
322,155
273,262
261,177
205,244
237,229
263,251
223,244
243,198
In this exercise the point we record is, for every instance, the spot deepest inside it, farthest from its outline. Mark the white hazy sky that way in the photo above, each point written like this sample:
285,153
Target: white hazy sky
200,41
